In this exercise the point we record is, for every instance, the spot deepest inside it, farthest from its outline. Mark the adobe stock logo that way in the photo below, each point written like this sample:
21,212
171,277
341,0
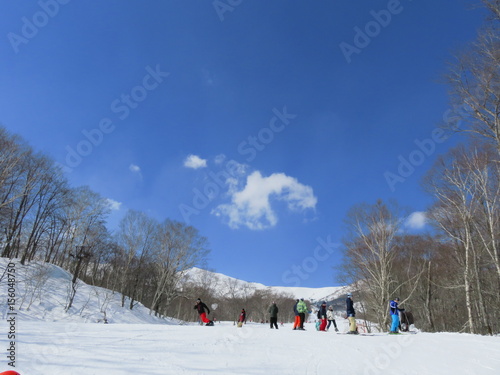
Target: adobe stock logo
223,6
31,26
297,273
122,108
363,37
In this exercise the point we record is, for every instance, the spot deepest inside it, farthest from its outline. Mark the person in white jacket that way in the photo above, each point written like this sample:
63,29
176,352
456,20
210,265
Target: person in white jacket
331,318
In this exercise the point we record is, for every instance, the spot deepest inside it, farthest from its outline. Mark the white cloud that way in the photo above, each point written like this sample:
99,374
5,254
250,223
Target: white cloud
113,205
195,162
134,168
251,206
417,220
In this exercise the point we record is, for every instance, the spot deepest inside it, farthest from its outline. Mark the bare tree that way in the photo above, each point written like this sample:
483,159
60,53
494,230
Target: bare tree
464,212
474,80
136,236
179,247
370,251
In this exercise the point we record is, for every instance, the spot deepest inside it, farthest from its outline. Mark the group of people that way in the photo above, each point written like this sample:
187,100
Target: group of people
325,315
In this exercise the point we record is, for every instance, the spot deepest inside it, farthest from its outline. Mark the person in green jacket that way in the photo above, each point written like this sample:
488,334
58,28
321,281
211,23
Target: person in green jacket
273,311
302,309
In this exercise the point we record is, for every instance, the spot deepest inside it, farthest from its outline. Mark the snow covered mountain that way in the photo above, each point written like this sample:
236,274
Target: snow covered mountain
224,285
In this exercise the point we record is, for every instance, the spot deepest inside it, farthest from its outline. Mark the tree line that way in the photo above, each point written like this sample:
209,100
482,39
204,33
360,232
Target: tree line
43,218
449,277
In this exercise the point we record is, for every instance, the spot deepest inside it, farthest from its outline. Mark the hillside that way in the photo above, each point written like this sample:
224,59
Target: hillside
41,294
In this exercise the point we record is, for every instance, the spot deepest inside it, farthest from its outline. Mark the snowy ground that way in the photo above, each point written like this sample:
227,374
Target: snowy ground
112,349
50,341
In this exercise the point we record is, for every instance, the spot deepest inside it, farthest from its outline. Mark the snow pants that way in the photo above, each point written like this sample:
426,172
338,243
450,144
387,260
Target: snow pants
330,323
322,326
352,324
203,317
274,322
395,323
296,324
302,317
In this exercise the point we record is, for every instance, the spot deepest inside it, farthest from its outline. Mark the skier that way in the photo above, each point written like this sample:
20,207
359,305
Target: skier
200,306
331,318
242,318
322,316
353,330
393,305
273,311
296,323
302,309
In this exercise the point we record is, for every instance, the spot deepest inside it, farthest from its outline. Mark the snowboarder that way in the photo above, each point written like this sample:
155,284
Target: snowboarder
394,308
322,316
302,309
201,307
353,330
273,311
331,318
242,318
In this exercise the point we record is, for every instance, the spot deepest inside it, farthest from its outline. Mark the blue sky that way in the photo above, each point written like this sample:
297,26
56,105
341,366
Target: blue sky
261,123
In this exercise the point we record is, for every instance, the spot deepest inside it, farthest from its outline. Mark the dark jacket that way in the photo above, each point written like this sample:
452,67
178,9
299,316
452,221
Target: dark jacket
350,307
273,310
200,306
295,309
322,312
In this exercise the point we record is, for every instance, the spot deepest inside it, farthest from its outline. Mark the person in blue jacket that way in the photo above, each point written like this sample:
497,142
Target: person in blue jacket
394,308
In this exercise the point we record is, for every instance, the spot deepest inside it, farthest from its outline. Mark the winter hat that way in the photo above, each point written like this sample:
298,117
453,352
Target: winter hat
302,299
324,303
396,299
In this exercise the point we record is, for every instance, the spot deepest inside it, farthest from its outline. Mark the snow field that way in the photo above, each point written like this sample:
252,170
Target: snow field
116,349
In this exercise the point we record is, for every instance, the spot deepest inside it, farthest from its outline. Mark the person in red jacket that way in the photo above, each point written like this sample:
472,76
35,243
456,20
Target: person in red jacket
322,316
242,318
201,307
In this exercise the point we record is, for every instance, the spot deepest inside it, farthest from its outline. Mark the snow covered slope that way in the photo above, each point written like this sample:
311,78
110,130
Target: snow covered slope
41,293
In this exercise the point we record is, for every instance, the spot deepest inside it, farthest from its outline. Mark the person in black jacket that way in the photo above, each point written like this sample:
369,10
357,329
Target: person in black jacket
273,312
201,307
351,314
